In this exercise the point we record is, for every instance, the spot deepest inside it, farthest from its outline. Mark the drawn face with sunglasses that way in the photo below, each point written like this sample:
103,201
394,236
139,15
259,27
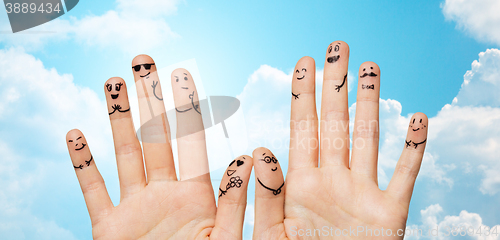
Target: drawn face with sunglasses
143,66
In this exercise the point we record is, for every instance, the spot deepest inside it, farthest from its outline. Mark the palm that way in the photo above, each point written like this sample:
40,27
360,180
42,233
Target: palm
160,211
349,203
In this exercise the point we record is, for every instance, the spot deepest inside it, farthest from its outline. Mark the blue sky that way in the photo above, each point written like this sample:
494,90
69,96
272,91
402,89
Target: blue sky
429,52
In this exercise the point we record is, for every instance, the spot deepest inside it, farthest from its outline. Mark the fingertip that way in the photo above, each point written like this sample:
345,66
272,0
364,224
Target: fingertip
141,58
73,133
259,152
369,65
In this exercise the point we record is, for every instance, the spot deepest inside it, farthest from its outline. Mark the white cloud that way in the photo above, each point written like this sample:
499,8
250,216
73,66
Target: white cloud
134,27
435,227
37,108
481,84
478,18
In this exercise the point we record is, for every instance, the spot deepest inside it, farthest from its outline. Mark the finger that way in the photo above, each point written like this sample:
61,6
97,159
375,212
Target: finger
366,125
304,119
193,160
155,130
127,148
405,174
334,107
233,199
269,191
94,191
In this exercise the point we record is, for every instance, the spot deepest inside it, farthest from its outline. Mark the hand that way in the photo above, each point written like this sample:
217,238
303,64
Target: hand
159,206
339,196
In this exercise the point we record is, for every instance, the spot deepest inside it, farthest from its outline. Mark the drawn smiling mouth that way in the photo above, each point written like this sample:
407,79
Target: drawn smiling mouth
146,74
333,59
83,145
415,129
114,96
274,169
301,77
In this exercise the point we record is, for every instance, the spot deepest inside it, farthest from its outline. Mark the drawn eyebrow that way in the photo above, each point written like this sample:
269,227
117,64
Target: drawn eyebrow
185,74
119,84
70,141
79,137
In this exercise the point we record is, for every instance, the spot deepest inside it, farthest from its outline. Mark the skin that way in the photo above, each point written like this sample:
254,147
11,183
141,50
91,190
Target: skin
160,206
340,190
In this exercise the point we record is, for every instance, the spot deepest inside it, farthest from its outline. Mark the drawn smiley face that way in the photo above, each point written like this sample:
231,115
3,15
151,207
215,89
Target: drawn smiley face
333,52
417,124
368,72
114,91
270,160
300,74
79,144
184,77
143,66
233,165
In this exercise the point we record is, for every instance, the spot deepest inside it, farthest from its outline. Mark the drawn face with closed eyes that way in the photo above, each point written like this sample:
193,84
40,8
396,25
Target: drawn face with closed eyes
300,74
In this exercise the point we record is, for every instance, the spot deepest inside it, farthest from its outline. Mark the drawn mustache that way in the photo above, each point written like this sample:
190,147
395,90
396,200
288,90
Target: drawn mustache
372,74
333,59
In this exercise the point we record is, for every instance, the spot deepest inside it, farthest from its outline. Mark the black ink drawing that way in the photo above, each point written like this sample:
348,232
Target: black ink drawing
296,96
80,167
154,90
338,87
333,59
118,87
368,86
303,76
371,74
233,182
271,160
86,162
118,108
275,191
419,122
408,143
195,106
230,172
147,66
416,144
76,145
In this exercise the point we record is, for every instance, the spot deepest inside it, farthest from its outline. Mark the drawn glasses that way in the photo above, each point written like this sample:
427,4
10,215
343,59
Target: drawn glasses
268,159
147,66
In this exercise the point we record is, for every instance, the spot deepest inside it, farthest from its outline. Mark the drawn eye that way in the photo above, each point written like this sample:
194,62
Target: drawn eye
337,48
109,87
267,159
330,49
186,78
70,141
303,69
420,120
297,71
118,86
414,120
371,67
364,69
176,79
